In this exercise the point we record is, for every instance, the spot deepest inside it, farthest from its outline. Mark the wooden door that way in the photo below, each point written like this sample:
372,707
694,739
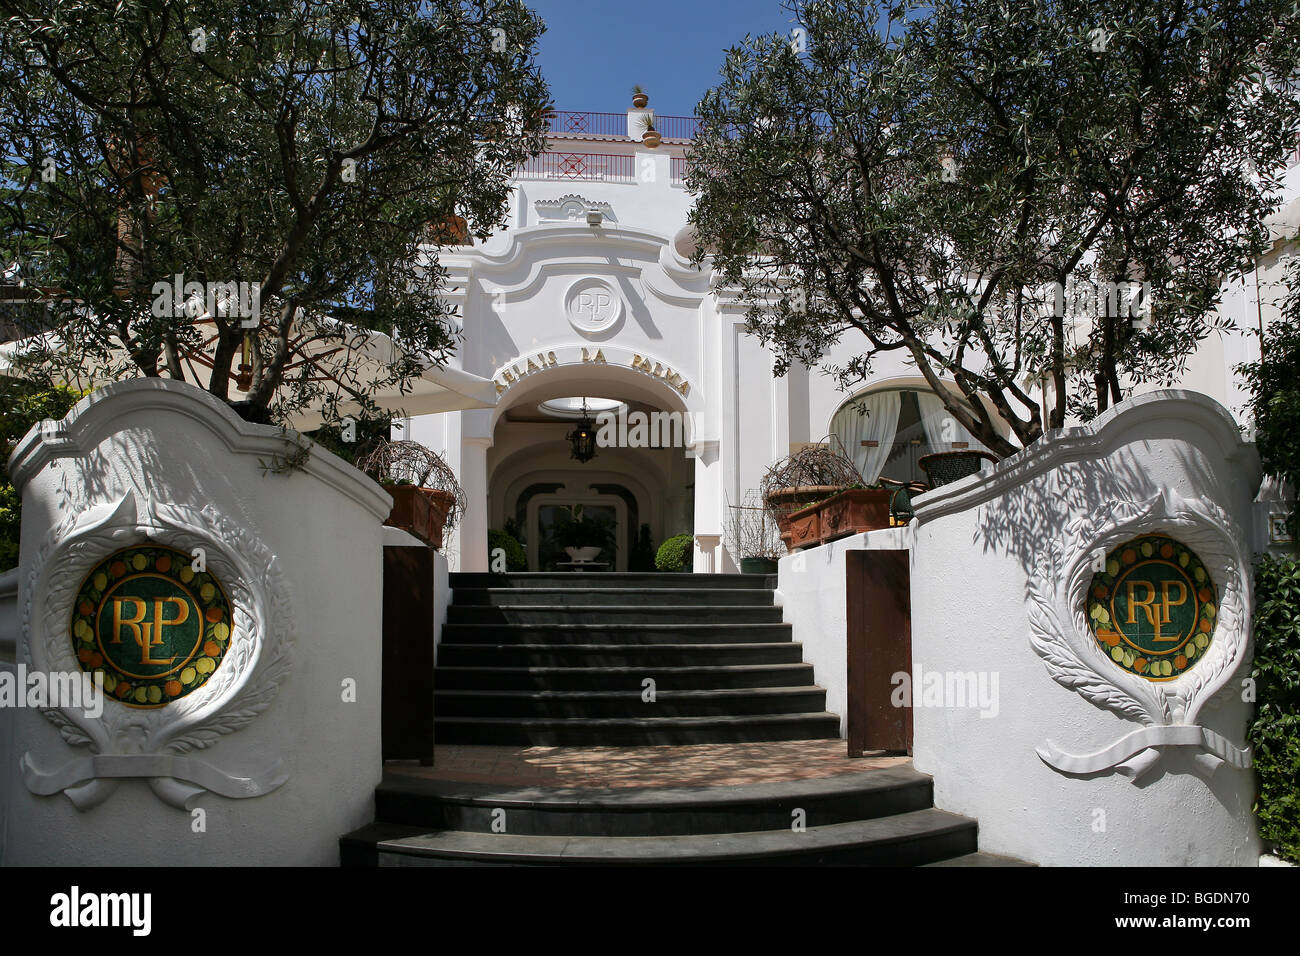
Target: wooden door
879,634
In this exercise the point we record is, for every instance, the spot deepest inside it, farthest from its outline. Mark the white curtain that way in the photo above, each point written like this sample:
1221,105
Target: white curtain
878,424
941,429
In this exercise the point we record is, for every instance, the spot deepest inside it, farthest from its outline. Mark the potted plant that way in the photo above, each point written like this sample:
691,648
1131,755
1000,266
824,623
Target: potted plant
807,476
650,136
639,97
752,536
427,499
583,537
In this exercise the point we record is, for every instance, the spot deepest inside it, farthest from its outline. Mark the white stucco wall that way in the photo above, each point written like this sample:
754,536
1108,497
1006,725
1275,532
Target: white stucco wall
177,446
974,549
812,595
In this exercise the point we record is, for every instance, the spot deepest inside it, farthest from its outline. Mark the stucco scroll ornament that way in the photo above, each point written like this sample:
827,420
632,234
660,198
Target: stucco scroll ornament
1168,710
160,744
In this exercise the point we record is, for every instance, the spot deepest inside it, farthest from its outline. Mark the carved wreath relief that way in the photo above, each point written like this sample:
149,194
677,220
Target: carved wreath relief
1142,608
190,650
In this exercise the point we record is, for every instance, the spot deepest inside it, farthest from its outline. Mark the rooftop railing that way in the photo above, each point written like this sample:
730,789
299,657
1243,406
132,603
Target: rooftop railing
569,123
579,167
614,125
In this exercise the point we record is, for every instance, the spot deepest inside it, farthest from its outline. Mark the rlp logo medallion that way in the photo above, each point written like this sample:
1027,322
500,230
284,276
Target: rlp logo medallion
157,628
1152,607
593,306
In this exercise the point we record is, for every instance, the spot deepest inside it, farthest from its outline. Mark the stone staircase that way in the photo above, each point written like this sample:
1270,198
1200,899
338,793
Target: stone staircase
881,817
563,659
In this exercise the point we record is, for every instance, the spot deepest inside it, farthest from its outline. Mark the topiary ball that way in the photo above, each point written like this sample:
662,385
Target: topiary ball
675,553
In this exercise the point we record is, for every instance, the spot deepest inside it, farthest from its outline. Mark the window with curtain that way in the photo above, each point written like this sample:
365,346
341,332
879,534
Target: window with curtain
886,433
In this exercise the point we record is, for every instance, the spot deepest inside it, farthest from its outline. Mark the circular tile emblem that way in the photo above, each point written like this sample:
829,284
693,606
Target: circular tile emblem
156,628
1152,607
593,306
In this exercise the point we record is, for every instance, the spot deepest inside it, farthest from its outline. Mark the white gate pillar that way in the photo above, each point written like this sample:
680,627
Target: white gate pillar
474,481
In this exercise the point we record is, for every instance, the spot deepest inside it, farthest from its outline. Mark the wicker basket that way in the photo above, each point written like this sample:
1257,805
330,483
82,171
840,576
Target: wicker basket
945,467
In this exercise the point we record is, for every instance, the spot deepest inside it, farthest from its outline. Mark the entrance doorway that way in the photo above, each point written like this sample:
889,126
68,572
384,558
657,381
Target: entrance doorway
548,516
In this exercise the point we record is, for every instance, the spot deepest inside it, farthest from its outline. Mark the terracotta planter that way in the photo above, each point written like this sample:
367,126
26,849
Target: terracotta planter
640,100
452,231
651,138
855,511
849,512
420,511
801,529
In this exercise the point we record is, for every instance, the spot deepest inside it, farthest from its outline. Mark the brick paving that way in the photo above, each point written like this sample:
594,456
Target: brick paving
698,765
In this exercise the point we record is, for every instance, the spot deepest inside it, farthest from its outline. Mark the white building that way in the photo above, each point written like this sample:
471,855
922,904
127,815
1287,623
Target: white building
588,294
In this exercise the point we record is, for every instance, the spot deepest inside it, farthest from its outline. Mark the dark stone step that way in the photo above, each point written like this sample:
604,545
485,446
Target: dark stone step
617,655
603,597
616,634
641,580
618,678
613,614
980,859
904,839
635,732
506,704
446,805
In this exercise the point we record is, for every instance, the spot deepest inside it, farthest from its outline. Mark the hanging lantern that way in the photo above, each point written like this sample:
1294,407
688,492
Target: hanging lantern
583,437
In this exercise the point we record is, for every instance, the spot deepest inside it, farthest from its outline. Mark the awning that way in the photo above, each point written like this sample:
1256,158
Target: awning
360,360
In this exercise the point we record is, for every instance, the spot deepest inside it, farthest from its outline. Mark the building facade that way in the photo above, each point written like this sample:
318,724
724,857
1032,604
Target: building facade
588,296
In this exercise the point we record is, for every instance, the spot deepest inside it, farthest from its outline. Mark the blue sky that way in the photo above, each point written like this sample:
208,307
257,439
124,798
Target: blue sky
593,51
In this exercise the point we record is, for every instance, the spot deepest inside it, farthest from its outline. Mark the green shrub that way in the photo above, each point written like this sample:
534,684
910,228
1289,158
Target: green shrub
516,558
22,405
1275,730
1274,384
675,554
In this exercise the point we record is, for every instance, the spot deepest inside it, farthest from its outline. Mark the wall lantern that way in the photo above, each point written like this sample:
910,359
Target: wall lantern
583,437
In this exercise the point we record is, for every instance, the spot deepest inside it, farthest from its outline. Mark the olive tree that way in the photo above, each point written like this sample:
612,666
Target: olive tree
289,169
1035,201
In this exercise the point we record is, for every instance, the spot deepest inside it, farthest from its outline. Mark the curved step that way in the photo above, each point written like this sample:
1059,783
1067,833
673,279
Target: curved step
447,805
903,839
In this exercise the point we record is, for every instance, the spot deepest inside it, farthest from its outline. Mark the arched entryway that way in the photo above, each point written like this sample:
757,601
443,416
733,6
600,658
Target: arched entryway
639,484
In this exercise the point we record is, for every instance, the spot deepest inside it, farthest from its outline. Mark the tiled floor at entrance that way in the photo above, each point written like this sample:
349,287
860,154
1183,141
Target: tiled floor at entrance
700,765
